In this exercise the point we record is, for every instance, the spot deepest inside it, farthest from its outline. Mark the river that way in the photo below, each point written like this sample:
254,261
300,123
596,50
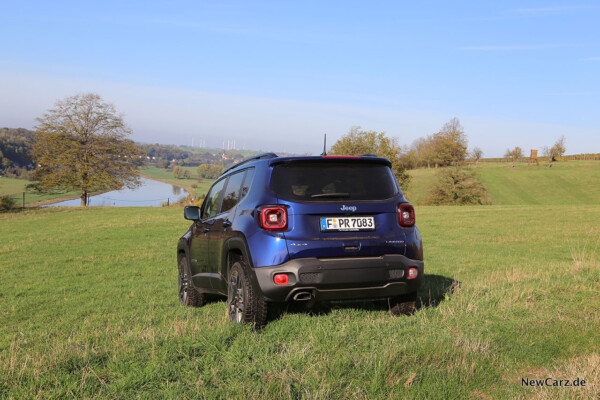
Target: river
149,194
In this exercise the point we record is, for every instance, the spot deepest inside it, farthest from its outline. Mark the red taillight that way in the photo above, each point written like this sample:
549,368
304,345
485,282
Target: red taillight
281,279
273,217
406,215
412,273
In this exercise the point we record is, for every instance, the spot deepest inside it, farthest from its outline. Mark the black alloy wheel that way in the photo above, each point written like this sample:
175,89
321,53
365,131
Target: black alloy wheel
245,304
236,296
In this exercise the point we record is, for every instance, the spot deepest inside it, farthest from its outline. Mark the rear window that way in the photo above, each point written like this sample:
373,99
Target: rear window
322,181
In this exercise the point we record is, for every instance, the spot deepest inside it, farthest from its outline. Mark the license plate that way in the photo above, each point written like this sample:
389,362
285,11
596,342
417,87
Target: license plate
339,224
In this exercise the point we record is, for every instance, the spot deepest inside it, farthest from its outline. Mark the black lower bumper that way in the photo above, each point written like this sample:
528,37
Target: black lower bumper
341,278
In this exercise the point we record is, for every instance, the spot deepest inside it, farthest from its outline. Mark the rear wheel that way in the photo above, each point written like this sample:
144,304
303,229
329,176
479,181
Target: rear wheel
403,305
188,295
245,303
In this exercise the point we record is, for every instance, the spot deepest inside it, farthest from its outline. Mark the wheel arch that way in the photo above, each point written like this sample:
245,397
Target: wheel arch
182,248
237,250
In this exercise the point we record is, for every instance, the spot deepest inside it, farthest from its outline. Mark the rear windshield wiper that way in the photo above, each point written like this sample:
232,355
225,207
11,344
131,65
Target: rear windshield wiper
331,195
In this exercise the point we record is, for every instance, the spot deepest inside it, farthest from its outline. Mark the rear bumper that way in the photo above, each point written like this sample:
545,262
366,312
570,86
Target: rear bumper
341,278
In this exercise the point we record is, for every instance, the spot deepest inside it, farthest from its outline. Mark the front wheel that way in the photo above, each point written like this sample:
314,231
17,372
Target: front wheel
403,305
188,295
245,304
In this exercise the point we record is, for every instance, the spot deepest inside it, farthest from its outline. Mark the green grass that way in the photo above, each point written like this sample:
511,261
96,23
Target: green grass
15,188
88,308
570,182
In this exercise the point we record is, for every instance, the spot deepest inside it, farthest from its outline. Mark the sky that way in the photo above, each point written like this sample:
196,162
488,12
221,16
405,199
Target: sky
277,75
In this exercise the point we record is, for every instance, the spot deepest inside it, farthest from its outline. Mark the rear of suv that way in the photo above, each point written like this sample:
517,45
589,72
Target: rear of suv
274,230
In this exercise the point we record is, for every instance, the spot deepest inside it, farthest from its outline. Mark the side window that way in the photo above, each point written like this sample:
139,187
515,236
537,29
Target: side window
247,182
211,203
232,191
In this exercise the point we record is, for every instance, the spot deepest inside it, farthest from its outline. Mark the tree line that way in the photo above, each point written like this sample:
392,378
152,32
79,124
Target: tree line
82,144
456,184
446,148
15,149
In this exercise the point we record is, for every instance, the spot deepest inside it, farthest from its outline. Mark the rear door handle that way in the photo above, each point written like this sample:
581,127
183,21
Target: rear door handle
226,224
206,230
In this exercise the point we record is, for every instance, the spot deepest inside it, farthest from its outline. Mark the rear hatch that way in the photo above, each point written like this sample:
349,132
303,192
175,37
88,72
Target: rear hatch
339,207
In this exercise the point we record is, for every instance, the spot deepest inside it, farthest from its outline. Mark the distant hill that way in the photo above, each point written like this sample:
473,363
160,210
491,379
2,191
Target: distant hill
163,155
567,182
15,145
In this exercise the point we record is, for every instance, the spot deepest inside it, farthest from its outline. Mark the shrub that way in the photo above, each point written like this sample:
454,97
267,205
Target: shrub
6,202
457,186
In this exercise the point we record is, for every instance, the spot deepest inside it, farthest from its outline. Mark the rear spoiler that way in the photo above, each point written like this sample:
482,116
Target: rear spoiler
366,158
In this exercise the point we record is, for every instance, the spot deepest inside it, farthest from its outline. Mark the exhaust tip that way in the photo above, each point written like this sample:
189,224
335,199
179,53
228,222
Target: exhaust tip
303,296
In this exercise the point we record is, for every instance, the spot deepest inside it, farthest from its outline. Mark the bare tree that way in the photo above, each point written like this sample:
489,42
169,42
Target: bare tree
557,150
477,154
81,144
514,154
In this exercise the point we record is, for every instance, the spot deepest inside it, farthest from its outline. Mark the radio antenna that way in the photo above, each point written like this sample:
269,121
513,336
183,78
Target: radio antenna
324,146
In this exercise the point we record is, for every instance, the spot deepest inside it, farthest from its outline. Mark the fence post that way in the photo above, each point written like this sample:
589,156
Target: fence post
168,202
23,200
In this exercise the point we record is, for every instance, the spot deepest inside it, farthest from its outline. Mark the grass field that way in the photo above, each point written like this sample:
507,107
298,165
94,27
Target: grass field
167,176
570,182
16,187
89,309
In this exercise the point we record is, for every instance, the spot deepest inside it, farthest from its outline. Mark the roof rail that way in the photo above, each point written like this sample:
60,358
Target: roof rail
369,155
247,160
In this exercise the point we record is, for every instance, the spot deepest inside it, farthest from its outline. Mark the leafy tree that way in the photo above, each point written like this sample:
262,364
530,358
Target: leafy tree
477,154
187,174
514,154
557,150
357,142
81,144
424,152
162,164
209,171
444,148
457,186
450,144
178,172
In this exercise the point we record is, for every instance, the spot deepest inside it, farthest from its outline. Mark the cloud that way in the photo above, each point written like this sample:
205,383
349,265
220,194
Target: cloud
570,94
555,10
514,47
496,48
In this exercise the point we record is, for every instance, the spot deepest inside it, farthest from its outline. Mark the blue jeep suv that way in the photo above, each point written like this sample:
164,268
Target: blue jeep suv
274,230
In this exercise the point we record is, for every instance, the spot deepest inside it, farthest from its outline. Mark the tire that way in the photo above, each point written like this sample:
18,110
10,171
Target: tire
188,295
403,305
245,303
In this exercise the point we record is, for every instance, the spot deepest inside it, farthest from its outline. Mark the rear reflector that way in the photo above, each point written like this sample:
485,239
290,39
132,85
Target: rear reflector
273,218
412,273
281,279
406,215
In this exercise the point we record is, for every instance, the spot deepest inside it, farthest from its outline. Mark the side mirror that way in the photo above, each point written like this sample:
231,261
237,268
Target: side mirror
191,212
